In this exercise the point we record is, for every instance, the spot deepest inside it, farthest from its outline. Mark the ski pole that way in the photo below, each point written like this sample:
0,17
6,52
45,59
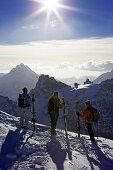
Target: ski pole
78,119
33,112
65,124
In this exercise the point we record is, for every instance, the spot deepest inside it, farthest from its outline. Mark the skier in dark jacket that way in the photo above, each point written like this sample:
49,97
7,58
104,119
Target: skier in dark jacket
89,123
25,105
53,110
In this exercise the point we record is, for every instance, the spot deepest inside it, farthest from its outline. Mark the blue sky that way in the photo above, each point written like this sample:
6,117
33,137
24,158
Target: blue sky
95,19
79,42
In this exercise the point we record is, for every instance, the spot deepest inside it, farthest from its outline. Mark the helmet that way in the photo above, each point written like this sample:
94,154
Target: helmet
25,89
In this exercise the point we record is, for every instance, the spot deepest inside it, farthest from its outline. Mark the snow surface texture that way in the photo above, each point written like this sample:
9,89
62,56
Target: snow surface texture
28,150
100,95
11,84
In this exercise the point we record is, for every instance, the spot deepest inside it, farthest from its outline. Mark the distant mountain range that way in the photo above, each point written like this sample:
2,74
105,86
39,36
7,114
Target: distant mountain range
81,80
103,77
71,80
12,83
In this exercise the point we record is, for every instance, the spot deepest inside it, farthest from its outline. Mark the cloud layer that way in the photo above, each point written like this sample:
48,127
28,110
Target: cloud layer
103,66
63,58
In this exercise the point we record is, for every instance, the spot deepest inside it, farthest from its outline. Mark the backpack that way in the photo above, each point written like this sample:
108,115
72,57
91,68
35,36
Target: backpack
22,101
94,115
50,106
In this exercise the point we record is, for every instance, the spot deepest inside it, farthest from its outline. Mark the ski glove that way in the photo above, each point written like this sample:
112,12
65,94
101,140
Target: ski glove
78,114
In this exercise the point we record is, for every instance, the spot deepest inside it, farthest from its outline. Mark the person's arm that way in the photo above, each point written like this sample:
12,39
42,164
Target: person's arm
84,114
29,100
60,104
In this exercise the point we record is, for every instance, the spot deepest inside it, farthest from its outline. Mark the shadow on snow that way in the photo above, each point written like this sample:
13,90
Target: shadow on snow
101,160
11,145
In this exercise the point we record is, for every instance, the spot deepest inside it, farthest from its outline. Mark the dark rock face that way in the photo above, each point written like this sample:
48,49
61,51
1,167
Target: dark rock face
49,83
87,81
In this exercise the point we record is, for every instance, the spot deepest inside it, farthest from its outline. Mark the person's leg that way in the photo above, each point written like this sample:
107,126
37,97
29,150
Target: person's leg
90,131
52,124
56,119
22,118
27,113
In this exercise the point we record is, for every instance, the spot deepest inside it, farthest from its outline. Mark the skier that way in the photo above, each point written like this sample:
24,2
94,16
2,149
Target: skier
86,115
24,102
53,110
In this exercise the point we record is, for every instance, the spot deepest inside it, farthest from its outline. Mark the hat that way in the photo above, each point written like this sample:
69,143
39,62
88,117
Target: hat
87,102
24,89
55,93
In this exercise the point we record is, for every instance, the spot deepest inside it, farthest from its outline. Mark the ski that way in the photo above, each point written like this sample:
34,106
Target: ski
33,113
78,119
64,115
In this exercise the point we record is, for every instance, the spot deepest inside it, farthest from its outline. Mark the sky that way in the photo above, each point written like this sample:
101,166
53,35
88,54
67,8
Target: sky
75,38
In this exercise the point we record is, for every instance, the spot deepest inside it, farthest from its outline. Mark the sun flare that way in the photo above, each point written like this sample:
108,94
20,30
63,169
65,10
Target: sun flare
51,5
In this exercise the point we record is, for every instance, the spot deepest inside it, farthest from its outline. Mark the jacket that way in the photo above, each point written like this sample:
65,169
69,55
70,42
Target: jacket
86,114
54,104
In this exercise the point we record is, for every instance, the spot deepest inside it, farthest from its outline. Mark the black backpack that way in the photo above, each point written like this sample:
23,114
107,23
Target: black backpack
50,106
21,101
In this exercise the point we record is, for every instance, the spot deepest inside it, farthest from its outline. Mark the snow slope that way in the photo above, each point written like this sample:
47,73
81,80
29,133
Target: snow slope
27,150
9,106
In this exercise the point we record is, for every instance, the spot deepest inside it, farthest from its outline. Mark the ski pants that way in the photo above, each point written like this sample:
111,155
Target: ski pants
90,131
54,119
25,113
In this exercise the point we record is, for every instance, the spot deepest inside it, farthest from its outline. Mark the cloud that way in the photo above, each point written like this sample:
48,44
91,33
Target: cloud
104,66
61,58
30,27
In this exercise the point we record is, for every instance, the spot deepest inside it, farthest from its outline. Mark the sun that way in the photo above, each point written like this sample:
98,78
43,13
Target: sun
50,5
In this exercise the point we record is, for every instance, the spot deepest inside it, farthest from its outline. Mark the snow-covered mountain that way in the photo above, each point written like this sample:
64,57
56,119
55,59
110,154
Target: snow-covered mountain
103,77
101,96
47,85
28,150
2,74
11,84
9,106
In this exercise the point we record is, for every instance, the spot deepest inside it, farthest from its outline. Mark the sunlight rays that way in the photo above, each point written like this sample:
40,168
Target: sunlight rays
51,9
51,6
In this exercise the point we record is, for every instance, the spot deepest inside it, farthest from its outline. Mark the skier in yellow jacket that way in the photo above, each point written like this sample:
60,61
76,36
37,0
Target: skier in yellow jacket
53,110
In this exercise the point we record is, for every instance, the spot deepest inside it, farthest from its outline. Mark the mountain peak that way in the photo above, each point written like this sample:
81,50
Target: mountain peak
49,83
103,77
21,68
12,83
